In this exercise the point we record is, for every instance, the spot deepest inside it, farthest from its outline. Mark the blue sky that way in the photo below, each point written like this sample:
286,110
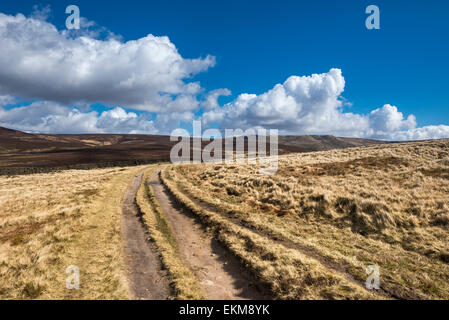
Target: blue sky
257,44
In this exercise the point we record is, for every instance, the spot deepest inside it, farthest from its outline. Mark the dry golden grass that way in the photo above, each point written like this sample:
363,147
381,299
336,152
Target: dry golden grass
287,273
51,221
344,209
183,280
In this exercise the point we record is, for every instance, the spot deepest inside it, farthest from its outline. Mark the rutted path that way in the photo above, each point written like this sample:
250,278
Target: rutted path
220,274
148,280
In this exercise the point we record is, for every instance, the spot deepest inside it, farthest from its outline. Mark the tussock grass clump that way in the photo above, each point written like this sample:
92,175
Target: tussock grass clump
183,280
32,290
441,219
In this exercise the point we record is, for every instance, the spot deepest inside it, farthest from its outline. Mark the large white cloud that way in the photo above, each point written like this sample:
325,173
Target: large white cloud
300,103
313,105
39,62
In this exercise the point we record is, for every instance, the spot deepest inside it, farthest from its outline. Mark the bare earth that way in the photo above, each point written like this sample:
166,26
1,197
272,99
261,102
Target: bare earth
220,274
147,280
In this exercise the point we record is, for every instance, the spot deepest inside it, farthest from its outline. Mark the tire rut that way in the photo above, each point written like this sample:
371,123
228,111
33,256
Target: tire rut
147,279
221,275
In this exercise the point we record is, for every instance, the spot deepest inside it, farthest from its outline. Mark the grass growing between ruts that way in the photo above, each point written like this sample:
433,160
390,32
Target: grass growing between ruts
183,280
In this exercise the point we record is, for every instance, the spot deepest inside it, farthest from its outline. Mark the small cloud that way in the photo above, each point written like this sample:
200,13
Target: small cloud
40,12
91,29
211,101
7,100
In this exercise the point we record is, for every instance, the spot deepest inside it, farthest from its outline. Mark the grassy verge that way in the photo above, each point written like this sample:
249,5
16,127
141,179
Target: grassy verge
51,221
286,272
183,280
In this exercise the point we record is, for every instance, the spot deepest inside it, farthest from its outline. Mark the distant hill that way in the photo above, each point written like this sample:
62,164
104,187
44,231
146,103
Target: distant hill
322,143
23,150
12,141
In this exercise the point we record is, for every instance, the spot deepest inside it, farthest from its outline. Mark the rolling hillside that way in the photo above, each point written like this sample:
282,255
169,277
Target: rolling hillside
38,151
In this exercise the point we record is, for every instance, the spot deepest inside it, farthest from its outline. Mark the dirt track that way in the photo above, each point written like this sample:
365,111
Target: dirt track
220,274
147,280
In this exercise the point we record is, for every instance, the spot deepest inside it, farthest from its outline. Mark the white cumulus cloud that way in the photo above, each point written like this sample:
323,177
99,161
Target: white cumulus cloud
387,120
37,61
313,105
